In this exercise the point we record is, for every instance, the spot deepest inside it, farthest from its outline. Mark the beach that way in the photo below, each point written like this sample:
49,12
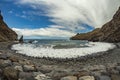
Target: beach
106,64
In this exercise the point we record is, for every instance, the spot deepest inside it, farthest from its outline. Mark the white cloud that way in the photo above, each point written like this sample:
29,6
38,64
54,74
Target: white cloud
71,13
52,31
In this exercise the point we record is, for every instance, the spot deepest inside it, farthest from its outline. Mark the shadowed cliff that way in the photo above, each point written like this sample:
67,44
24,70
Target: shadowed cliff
6,34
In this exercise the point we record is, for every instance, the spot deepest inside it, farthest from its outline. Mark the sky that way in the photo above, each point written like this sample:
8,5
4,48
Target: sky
56,18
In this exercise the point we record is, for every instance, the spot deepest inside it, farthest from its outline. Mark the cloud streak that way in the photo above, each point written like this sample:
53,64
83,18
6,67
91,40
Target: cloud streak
71,13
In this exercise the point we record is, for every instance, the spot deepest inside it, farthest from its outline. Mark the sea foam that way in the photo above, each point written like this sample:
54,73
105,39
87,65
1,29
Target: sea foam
33,51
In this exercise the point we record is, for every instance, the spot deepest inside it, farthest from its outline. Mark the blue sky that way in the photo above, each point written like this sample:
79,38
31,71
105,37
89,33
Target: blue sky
56,18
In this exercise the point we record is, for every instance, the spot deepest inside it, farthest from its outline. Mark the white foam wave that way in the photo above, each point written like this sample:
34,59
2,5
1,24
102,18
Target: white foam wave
31,50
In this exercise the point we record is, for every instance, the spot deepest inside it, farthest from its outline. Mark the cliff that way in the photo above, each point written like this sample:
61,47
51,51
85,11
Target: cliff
6,34
110,32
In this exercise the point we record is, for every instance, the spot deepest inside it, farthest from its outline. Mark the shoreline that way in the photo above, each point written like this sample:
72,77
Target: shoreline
47,65
81,59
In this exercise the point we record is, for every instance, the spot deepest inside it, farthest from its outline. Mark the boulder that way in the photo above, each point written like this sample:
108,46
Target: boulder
14,58
5,63
81,73
26,76
18,68
115,77
40,76
28,68
69,78
10,73
87,78
3,56
103,77
57,74
45,68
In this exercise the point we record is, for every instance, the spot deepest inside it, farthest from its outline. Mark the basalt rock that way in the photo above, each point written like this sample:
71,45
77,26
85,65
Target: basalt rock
6,34
110,32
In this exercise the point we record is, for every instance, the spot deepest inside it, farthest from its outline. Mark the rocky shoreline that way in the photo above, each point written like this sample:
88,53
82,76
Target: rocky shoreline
14,66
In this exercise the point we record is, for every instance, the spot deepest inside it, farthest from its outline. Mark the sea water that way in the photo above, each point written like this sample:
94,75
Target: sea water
60,48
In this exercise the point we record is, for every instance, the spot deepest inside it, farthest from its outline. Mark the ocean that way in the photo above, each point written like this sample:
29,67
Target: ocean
60,48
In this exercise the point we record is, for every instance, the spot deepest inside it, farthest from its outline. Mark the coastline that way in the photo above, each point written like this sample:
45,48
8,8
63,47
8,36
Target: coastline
108,58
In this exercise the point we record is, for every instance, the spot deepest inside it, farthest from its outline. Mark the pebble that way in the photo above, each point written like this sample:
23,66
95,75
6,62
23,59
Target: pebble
87,78
81,73
26,76
13,59
69,78
5,63
45,68
19,68
28,68
3,56
41,76
96,67
104,77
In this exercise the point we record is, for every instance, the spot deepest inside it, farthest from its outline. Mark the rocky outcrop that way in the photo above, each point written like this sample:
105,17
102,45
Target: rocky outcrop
110,32
86,36
6,34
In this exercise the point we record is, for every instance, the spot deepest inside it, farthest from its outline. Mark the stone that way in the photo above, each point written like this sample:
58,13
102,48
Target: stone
3,56
26,76
112,71
69,78
45,69
118,68
57,74
16,64
97,67
10,73
5,63
95,74
41,76
25,62
115,77
81,73
87,78
1,72
14,59
19,68
28,68
103,77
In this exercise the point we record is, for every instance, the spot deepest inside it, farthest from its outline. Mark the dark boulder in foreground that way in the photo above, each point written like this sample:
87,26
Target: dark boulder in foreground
110,32
6,34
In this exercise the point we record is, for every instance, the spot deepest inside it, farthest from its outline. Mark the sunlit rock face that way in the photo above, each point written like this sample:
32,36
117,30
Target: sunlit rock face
6,34
110,32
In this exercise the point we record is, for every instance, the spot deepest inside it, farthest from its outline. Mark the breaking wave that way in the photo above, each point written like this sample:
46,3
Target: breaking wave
49,51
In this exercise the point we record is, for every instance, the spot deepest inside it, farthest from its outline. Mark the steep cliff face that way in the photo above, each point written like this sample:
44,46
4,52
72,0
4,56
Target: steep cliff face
110,32
6,34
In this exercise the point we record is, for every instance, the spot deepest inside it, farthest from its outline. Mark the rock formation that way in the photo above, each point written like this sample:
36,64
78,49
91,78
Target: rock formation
110,32
21,39
6,34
